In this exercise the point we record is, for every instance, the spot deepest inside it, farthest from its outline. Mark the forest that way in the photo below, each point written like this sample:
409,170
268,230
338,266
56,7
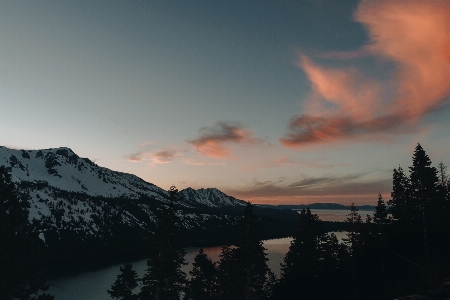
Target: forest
400,250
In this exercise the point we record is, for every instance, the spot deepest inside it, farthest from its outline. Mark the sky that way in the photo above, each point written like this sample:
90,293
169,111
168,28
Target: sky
270,101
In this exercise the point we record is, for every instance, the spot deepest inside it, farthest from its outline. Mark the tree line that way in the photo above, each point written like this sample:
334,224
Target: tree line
403,248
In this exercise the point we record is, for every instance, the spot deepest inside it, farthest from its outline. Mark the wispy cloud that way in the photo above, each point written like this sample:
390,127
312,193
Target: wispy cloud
285,161
214,141
346,104
160,156
316,163
164,156
351,185
135,157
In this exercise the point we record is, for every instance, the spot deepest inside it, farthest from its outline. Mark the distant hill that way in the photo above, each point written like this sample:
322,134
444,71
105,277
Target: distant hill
320,206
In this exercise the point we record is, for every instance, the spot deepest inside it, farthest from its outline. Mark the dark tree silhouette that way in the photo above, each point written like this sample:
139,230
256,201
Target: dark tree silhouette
354,224
243,272
126,282
251,257
417,236
333,268
424,200
381,220
164,279
203,282
354,240
400,196
228,270
21,275
301,265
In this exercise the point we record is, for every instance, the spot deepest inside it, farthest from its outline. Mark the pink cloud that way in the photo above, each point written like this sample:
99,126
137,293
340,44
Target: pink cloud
214,141
415,34
345,104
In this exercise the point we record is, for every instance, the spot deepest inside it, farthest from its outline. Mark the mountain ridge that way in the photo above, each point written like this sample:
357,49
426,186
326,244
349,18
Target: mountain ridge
79,207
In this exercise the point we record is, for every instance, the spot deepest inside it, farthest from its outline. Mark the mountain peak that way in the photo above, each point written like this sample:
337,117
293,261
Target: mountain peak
211,197
62,169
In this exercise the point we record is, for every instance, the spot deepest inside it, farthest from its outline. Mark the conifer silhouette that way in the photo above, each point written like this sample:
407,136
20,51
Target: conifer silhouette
21,275
203,282
126,282
243,271
164,279
299,272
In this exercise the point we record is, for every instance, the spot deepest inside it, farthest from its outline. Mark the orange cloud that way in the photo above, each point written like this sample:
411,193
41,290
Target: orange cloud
213,140
345,104
415,34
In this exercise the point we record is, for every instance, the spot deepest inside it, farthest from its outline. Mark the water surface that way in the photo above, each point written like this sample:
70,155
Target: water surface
92,285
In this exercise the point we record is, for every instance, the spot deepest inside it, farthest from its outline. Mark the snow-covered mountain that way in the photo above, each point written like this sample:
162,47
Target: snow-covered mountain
61,168
211,197
71,200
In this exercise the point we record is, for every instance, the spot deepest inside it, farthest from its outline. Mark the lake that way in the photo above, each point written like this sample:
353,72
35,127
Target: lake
92,285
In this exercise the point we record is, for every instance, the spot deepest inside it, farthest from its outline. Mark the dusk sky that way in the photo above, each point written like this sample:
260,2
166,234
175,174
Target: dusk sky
268,101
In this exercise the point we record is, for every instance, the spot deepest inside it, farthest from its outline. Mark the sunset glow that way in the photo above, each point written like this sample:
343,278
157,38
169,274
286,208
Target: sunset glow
292,102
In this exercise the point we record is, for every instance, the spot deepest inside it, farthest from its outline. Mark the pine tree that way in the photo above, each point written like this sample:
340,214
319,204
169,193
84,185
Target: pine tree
20,248
423,195
203,282
243,271
333,271
164,279
302,262
380,216
230,288
423,180
442,175
381,220
251,257
442,212
126,282
354,225
400,196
